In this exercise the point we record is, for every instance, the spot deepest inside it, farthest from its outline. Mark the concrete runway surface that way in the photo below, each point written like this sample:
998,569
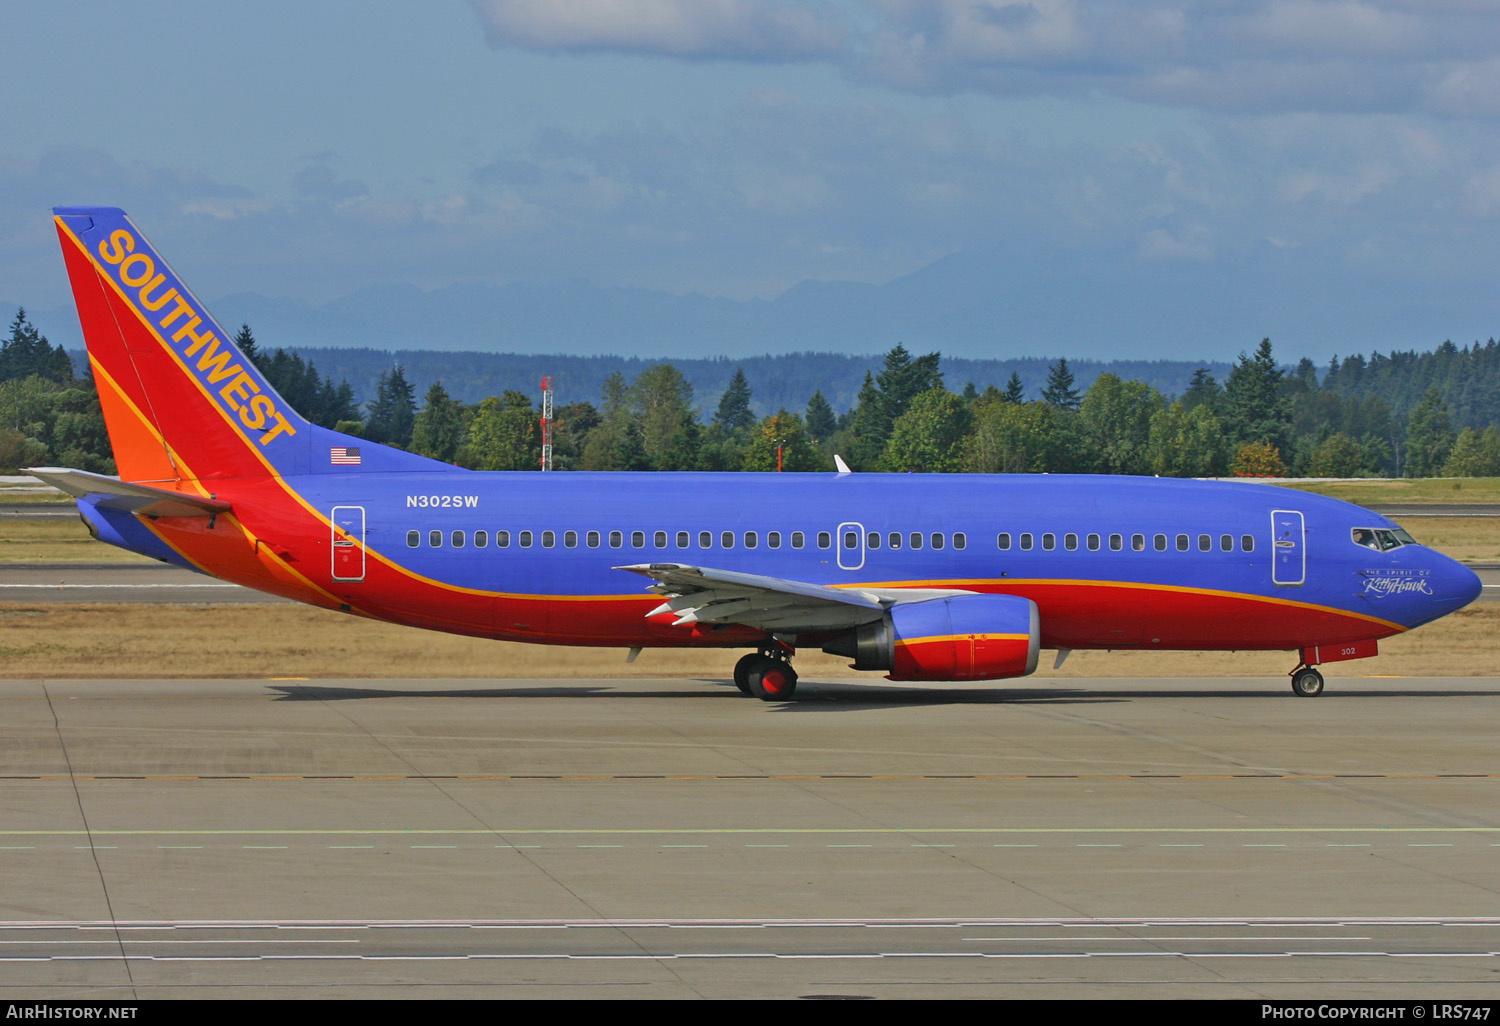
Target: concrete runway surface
673,839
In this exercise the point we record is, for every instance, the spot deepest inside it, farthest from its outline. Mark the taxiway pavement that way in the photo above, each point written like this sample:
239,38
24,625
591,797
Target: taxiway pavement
672,838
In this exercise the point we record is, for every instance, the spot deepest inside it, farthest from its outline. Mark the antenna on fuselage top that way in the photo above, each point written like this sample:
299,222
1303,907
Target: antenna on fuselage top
838,461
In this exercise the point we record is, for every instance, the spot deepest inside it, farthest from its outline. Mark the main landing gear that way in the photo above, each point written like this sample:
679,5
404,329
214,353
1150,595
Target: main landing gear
767,674
1306,681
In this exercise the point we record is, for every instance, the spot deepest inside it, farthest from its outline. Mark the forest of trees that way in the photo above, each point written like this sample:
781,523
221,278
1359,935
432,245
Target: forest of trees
1403,414
1262,420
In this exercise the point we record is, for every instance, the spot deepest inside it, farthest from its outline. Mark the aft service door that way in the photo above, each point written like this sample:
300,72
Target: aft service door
348,543
1288,548
851,543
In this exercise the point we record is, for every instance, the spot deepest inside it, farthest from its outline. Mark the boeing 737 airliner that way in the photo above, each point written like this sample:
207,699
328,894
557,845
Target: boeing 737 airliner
928,577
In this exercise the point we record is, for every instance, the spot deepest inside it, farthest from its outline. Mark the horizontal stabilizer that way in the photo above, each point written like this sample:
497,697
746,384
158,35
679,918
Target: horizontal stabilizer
112,493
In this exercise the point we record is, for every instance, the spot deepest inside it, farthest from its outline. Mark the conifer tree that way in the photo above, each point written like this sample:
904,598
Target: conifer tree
438,430
1429,438
1060,391
1015,392
1255,407
820,421
734,413
393,411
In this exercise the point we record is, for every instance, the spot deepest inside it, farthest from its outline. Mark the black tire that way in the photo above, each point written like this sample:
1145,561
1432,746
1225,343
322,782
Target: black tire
773,681
1307,682
742,671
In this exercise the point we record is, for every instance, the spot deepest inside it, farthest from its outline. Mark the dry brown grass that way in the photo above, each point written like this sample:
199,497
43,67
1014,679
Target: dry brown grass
1432,489
57,540
163,641
1469,539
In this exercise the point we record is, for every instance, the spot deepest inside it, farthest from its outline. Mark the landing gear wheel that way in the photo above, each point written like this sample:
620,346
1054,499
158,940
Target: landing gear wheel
772,680
742,671
1307,682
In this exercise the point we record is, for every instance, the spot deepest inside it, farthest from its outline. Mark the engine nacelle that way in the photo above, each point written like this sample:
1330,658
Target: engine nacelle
966,637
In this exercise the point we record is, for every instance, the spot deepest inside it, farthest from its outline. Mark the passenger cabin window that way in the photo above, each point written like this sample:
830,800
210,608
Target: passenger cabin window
549,539
825,539
960,540
1226,542
1205,543
1070,542
773,539
1182,543
570,539
851,540
916,539
1247,542
525,539
893,539
659,539
1002,541
751,539
1049,542
1160,541
937,539
592,538
798,539
1026,542
873,541
1093,543
435,539
726,539
413,538
616,539
1116,542
1138,542
637,539
457,537
481,539
705,539
684,540
502,539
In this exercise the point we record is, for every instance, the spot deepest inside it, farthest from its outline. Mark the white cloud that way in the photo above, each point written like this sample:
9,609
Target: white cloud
741,29
1253,56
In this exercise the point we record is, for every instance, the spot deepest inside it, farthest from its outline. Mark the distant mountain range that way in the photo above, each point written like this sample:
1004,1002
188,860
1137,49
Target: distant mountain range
978,305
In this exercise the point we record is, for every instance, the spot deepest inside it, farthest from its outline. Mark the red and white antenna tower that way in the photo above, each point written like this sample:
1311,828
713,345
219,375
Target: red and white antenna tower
547,422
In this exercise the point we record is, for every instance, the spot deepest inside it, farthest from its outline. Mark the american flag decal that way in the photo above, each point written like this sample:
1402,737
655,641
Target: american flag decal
346,456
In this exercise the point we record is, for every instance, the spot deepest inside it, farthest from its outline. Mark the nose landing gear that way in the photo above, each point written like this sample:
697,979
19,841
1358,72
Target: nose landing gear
767,674
1306,681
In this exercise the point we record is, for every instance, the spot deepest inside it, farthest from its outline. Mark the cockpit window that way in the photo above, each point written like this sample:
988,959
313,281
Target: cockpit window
1381,539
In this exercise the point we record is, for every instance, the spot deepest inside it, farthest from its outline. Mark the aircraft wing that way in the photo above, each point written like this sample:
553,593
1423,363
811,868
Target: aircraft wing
112,493
699,594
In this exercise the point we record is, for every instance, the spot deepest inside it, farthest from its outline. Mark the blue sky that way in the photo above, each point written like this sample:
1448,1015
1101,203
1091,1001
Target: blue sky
735,149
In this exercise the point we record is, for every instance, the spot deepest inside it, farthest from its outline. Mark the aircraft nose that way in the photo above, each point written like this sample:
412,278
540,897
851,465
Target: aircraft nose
1469,587
1457,585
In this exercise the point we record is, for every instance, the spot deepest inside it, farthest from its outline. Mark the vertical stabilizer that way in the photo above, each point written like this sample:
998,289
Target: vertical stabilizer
180,400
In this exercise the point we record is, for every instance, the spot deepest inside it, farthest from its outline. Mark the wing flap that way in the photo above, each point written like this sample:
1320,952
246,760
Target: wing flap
704,595
112,493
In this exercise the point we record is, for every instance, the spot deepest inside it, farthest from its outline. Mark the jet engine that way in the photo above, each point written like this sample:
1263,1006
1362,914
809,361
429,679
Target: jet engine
964,637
